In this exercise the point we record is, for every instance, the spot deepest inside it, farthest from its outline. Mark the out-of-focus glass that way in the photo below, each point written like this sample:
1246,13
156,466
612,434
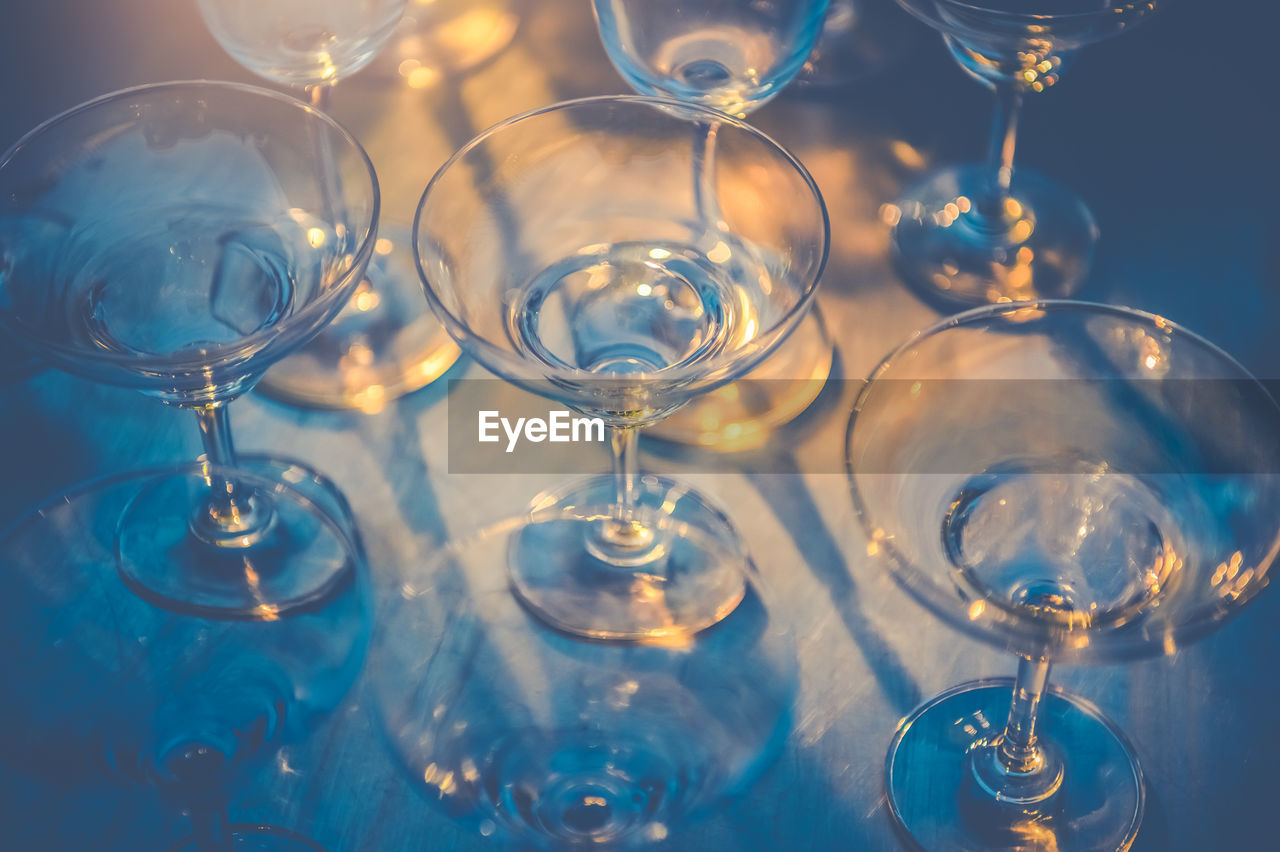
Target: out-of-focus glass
1074,483
731,55
530,736
567,251
302,42
982,233
107,687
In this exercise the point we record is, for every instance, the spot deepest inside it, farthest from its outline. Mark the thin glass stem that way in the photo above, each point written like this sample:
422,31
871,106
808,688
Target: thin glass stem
1004,138
623,441
705,202
215,433
319,95
1019,750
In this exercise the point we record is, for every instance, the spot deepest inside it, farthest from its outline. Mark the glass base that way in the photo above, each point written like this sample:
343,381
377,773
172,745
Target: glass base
384,344
744,415
677,568
936,799
305,550
1039,246
256,838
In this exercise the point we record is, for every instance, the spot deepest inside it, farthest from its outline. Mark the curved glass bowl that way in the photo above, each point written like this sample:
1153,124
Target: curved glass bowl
568,252
565,251
731,55
1147,457
101,680
982,233
180,237
537,738
302,42
1075,483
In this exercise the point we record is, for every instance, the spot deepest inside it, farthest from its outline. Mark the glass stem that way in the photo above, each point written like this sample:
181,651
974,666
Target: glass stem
623,441
1004,138
319,95
705,203
1019,750
230,513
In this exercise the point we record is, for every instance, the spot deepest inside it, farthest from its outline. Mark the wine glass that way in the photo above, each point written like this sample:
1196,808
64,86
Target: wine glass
105,681
1074,483
541,739
385,343
565,250
734,56
179,238
976,234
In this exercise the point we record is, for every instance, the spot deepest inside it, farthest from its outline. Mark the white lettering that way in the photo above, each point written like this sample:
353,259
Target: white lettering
587,424
513,435
559,427
488,423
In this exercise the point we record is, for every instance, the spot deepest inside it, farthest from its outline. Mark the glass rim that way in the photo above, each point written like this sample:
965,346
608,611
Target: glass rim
1006,628
1103,14
242,349
720,365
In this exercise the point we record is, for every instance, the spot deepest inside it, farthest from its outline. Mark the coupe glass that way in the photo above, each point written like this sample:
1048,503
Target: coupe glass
976,234
1074,483
734,56
385,343
549,741
179,238
565,250
102,680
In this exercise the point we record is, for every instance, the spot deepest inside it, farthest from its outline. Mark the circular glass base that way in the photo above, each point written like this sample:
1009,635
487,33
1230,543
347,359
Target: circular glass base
384,344
1038,246
675,568
256,838
936,798
745,414
295,545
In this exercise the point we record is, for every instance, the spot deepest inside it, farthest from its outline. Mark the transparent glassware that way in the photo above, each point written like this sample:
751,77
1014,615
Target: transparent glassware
734,56
1074,483
983,233
566,251
532,737
179,238
385,343
111,688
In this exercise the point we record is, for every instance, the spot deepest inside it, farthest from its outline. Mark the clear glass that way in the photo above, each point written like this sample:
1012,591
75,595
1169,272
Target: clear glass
539,739
187,705
179,238
976,234
302,42
384,343
566,251
731,55
1074,483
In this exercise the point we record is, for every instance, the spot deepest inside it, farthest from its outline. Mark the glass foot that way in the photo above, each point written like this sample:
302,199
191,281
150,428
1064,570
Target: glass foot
674,569
1039,246
935,792
302,548
384,344
743,415
254,838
